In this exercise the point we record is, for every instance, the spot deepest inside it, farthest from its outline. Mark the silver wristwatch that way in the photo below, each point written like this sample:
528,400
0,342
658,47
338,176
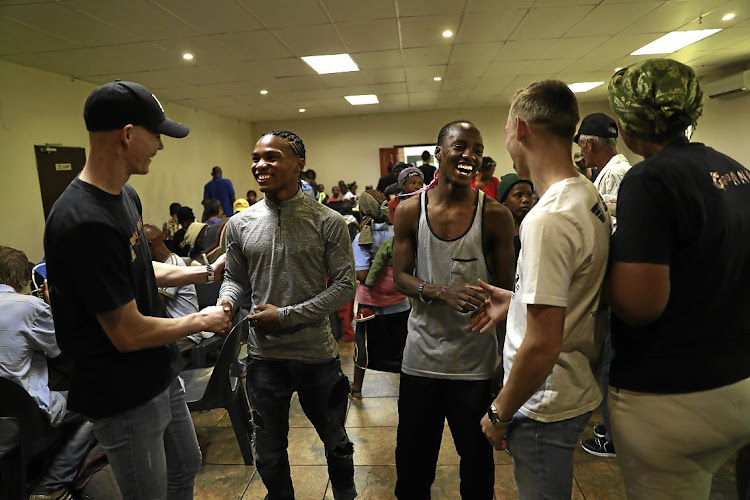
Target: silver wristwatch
495,418
210,271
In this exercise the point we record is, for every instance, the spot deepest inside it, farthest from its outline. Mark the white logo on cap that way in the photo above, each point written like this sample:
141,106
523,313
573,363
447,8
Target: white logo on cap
157,102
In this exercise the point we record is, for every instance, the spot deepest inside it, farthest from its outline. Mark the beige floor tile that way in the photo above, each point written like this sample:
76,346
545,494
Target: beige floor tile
600,480
373,445
380,384
209,418
305,447
373,412
374,482
219,446
309,482
446,485
297,417
219,482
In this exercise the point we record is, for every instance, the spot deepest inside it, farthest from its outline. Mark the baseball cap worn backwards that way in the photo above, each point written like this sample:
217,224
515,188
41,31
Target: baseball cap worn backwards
119,103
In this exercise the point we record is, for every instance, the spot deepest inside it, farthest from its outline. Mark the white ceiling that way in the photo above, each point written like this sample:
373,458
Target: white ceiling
243,46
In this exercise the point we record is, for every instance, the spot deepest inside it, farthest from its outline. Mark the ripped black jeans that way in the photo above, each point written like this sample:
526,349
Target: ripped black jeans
322,390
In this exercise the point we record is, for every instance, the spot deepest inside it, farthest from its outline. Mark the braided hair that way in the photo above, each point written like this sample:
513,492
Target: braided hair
298,147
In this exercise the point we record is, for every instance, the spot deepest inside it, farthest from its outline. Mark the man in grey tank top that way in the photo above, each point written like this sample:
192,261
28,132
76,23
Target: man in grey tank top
445,239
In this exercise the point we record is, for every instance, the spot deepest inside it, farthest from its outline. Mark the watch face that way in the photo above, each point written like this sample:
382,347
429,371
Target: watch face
491,415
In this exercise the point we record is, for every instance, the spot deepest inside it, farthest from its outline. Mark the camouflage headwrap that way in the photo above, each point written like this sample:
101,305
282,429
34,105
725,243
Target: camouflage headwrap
374,208
656,99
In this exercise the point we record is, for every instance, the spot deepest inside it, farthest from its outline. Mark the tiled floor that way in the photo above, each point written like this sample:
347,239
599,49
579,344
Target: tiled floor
371,424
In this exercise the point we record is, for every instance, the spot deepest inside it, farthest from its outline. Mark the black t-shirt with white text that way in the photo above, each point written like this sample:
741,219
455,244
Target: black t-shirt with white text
687,207
97,261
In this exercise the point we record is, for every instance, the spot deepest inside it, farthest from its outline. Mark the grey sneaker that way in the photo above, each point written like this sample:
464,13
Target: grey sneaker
599,446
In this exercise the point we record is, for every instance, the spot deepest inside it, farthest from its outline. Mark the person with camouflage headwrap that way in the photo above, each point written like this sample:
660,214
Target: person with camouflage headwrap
679,396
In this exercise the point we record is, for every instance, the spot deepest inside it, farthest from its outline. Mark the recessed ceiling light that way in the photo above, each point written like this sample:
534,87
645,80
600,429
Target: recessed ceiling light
187,56
728,17
301,110
264,92
584,86
437,78
337,63
359,100
674,41
447,34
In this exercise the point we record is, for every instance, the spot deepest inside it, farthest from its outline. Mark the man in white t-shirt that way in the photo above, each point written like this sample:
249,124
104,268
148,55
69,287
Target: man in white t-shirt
552,345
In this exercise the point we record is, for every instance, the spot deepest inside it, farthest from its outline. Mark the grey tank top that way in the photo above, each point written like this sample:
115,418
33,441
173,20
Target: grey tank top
439,343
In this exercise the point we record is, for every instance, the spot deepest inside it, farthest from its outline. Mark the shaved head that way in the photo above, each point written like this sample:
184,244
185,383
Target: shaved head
153,233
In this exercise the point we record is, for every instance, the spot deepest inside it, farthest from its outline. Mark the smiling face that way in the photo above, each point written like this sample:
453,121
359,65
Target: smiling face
276,167
460,154
143,145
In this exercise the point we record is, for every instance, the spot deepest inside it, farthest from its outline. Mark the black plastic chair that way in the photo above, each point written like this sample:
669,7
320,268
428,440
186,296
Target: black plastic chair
207,294
27,440
221,387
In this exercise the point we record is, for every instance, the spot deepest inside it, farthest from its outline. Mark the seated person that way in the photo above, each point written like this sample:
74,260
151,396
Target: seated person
178,301
172,225
213,212
188,241
28,338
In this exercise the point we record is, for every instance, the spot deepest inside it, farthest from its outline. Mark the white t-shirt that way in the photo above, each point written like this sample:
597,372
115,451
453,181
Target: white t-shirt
564,248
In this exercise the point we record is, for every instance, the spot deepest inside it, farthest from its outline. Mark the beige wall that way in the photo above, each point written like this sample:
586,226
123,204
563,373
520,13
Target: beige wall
347,147
38,107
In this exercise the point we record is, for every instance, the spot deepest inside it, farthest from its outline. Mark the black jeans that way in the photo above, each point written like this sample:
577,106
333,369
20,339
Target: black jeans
322,390
423,406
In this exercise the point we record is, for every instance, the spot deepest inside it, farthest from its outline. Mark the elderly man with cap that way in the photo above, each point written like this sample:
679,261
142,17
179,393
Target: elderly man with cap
679,395
108,315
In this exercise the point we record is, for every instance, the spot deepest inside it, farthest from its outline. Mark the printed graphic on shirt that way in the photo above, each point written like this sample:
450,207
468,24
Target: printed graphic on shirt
135,238
730,178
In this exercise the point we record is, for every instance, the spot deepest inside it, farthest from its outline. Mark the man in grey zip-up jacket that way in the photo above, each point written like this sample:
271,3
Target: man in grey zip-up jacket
283,249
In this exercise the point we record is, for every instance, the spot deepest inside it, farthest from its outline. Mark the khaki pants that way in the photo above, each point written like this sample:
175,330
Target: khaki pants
670,445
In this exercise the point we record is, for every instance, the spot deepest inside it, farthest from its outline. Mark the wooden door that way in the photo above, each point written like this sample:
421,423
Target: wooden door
388,156
57,166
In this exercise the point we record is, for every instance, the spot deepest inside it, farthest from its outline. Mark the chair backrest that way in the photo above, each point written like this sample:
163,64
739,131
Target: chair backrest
207,294
219,385
19,404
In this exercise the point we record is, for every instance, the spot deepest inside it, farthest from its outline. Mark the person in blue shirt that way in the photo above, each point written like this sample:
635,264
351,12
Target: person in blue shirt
219,188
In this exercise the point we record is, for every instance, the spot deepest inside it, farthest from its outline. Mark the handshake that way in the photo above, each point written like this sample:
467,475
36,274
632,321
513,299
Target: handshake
217,319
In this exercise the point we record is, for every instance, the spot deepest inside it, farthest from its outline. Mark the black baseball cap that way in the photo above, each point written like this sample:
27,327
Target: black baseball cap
598,125
119,103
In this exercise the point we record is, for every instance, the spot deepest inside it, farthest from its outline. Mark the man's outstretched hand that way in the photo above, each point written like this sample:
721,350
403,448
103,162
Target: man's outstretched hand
493,310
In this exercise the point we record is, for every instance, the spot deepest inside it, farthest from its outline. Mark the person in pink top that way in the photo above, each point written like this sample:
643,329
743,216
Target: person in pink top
380,334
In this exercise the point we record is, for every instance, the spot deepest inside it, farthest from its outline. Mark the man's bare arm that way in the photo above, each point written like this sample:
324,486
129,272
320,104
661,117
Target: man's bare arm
535,358
638,292
169,275
129,330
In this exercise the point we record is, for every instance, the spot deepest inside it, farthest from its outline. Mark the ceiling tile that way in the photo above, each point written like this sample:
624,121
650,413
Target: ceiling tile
490,26
669,16
497,5
299,83
424,73
462,84
465,71
394,98
516,50
348,10
549,67
426,31
424,56
18,39
503,68
253,45
378,60
205,50
389,88
428,7
574,47
211,17
549,22
69,24
131,17
315,40
425,85
369,35
390,75
475,52
349,79
280,13
607,20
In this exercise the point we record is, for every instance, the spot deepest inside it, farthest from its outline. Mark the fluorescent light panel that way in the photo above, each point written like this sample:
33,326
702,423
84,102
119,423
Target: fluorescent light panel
359,100
674,41
336,63
584,86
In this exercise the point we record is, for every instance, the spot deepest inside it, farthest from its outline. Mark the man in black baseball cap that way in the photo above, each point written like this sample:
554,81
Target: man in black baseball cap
109,318
116,104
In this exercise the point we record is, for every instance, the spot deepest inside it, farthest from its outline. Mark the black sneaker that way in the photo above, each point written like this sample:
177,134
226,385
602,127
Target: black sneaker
599,446
600,431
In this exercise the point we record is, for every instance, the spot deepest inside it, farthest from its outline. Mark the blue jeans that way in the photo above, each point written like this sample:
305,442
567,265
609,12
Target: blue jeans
153,449
543,455
323,394
78,442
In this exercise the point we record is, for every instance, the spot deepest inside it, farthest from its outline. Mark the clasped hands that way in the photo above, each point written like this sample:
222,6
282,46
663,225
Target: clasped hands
487,304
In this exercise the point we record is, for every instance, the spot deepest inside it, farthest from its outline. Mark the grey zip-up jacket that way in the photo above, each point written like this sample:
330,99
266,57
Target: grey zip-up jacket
283,253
